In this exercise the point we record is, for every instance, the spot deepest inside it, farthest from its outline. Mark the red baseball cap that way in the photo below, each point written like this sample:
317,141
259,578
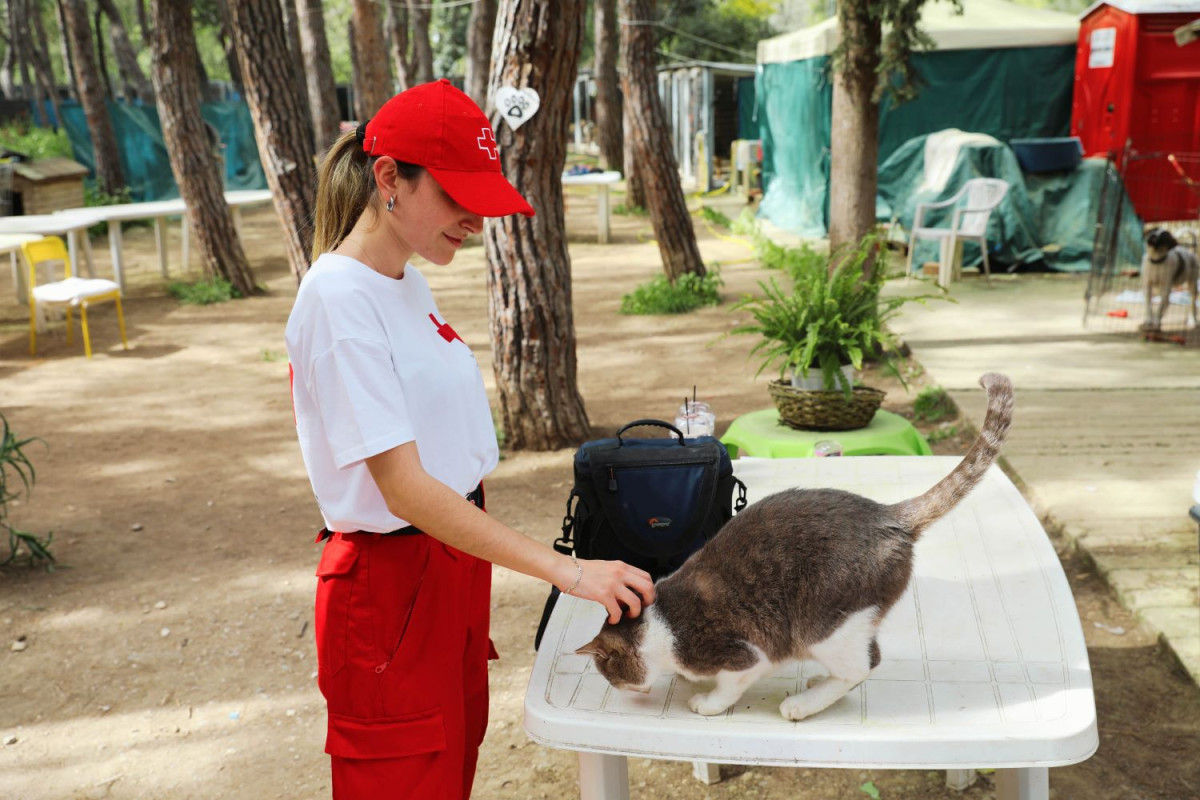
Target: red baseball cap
440,128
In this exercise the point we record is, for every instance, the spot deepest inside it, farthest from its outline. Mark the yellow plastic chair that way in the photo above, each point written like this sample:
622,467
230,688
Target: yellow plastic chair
68,293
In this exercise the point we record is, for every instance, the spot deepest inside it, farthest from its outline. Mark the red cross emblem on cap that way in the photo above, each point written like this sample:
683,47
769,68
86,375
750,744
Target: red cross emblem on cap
487,142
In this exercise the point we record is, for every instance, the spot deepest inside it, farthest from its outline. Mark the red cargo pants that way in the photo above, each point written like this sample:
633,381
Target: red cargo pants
402,651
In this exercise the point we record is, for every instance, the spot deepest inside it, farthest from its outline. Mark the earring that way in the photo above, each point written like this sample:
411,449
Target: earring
391,203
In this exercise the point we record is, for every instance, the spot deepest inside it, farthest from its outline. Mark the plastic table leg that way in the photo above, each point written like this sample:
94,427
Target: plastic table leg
603,777
1026,783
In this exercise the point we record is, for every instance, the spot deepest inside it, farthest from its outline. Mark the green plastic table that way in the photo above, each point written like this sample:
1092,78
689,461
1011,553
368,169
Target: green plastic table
760,434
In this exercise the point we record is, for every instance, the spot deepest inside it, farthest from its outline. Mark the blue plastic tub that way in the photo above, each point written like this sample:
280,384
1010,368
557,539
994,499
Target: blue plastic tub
1048,155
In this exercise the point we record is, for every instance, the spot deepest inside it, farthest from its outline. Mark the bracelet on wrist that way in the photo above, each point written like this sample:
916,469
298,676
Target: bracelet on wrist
578,575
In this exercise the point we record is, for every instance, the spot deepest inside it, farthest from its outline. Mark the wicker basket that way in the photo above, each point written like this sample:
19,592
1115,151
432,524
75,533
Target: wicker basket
808,410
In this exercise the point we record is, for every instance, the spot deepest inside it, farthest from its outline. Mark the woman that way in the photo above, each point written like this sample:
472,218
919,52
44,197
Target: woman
397,435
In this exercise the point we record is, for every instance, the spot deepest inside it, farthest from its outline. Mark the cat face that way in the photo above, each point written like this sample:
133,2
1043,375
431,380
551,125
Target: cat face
616,652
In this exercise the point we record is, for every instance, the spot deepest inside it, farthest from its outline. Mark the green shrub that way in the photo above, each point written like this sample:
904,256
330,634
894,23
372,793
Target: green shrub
623,210
933,404
941,434
660,296
35,142
203,293
14,463
95,196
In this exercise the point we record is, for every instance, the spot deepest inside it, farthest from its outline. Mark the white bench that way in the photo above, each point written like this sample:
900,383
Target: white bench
984,663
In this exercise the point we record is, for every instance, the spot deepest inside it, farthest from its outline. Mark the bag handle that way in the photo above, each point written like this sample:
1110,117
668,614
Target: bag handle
658,423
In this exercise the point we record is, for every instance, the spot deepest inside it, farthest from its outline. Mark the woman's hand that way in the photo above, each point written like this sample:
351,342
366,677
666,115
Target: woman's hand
612,584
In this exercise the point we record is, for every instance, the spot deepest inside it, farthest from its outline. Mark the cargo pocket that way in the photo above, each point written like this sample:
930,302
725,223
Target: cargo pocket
334,588
386,737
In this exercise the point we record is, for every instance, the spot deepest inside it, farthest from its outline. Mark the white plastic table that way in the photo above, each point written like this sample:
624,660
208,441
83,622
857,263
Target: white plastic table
601,181
159,210
64,223
984,663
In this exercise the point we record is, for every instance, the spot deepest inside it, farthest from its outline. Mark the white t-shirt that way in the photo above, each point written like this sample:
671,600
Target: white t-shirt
374,365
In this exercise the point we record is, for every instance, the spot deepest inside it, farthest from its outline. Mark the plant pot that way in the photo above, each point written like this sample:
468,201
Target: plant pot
816,379
809,410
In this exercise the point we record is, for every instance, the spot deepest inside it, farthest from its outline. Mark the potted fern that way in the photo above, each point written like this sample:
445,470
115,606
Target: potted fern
820,328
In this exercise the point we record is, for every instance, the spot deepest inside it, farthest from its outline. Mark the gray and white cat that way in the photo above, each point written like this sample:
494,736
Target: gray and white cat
805,573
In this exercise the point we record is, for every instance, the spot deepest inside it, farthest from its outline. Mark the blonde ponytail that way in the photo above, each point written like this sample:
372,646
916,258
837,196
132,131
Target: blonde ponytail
345,184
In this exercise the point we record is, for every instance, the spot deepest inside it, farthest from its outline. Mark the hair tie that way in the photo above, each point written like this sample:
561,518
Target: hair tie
360,133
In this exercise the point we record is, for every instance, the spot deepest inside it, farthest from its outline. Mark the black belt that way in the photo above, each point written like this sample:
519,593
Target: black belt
474,497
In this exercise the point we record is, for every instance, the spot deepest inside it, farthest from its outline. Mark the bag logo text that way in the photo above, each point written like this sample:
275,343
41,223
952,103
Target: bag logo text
660,522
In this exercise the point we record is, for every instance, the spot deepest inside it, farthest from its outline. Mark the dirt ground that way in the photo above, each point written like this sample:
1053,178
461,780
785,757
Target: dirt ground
170,653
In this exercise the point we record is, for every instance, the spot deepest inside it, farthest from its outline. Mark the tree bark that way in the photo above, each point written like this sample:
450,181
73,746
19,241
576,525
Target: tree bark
127,63
291,27
480,29
285,143
227,45
194,163
40,57
102,57
529,268
372,84
143,23
91,96
635,187
652,147
318,70
609,120
396,25
64,41
854,152
422,53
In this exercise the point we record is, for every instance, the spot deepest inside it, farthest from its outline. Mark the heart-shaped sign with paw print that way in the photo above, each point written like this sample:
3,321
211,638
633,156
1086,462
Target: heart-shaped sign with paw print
517,105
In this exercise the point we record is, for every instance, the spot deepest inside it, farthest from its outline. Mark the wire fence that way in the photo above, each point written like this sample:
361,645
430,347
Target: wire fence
1144,190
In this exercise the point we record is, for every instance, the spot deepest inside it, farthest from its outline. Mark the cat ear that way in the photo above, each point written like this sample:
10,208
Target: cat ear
593,648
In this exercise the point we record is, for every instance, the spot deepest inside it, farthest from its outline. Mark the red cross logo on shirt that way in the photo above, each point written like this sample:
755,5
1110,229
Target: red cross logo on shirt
444,330
487,142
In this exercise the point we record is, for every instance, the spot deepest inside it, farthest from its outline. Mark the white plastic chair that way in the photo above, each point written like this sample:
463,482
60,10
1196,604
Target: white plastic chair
69,293
970,222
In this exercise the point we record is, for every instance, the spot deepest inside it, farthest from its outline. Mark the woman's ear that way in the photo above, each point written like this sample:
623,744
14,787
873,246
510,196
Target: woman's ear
387,177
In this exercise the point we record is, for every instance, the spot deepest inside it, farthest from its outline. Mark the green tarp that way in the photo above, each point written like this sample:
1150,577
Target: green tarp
1048,217
1008,93
143,155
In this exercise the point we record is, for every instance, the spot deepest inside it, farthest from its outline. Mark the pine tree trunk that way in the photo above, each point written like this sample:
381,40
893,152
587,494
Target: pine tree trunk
318,70
281,127
372,84
291,28
479,50
102,56
64,41
91,96
854,156
635,187
396,25
40,57
229,48
609,119
652,149
195,166
131,72
422,53
529,268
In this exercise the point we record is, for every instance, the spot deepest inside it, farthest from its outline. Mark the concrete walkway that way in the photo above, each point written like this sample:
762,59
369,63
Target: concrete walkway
1106,436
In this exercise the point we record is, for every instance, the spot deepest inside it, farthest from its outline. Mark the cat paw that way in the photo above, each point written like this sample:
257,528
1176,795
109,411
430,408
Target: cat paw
704,704
796,708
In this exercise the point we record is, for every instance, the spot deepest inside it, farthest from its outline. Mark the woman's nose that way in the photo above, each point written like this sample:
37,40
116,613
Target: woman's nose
473,223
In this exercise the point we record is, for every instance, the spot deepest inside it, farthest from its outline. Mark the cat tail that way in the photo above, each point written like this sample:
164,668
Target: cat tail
919,513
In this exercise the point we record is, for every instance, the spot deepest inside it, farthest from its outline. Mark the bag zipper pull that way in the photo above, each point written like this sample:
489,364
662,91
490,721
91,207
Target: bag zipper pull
379,669
612,480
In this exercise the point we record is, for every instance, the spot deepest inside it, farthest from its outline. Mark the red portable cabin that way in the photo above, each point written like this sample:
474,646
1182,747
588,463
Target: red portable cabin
1137,85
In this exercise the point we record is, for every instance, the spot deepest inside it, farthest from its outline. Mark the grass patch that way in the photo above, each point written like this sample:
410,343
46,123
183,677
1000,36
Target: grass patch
273,355
623,210
203,293
715,217
660,296
933,404
940,434
17,477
